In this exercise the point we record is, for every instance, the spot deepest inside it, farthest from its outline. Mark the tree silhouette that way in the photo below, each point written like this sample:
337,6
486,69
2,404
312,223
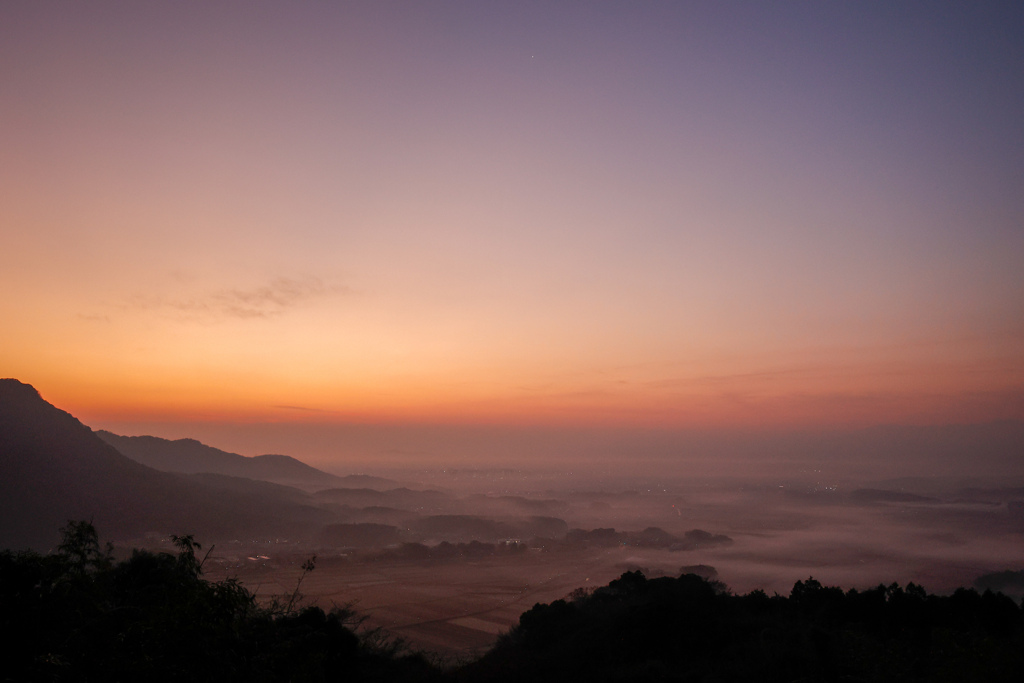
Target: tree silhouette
78,615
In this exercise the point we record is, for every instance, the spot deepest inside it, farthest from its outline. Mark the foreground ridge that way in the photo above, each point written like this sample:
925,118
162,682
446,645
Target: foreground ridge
692,629
76,614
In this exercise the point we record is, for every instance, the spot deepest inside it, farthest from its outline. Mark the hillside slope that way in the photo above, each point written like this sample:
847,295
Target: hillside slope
189,456
53,468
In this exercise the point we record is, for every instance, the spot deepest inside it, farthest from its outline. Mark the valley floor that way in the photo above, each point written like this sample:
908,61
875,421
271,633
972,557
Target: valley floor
456,609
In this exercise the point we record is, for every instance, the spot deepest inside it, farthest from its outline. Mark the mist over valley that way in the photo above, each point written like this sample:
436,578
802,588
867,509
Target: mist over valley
449,557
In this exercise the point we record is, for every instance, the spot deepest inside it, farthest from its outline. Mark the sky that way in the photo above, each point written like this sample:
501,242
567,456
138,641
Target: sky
793,215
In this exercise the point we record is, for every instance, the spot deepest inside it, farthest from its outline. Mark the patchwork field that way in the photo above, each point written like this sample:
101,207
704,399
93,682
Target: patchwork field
458,606
456,609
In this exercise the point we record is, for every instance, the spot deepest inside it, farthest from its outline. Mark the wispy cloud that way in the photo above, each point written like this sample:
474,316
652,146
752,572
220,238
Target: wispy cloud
264,301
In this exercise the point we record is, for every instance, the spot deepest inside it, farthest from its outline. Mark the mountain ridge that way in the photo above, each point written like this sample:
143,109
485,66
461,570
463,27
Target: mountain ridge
54,469
189,456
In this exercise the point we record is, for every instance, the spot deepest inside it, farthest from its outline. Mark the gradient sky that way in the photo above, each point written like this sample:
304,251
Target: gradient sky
640,214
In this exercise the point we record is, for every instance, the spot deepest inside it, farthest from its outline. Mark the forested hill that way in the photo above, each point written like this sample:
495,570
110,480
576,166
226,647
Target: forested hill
78,615
690,629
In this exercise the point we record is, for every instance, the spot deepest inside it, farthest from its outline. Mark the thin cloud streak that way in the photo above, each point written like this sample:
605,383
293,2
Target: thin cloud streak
301,408
693,214
271,300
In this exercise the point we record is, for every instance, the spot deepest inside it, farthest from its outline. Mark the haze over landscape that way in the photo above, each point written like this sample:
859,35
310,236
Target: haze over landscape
537,293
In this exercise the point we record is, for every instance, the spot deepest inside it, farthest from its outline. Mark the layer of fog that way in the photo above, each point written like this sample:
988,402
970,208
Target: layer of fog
936,531
937,506
757,533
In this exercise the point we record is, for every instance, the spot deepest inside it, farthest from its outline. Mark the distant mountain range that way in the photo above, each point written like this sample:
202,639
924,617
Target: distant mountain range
189,456
53,468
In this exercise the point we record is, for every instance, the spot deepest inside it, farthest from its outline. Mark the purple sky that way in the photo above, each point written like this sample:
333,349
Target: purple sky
670,214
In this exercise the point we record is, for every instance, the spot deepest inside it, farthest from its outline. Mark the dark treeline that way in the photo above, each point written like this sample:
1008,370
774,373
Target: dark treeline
78,615
692,629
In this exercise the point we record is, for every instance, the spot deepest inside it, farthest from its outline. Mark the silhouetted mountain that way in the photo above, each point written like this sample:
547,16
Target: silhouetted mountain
192,457
53,468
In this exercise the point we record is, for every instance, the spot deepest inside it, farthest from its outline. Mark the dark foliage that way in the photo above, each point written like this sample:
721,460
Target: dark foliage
690,629
79,616
1009,582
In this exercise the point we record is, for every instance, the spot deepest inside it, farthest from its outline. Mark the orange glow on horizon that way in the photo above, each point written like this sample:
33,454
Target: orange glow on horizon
766,401
361,216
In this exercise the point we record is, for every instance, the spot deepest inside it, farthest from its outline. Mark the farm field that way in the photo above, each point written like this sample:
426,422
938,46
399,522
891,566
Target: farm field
458,606
456,609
